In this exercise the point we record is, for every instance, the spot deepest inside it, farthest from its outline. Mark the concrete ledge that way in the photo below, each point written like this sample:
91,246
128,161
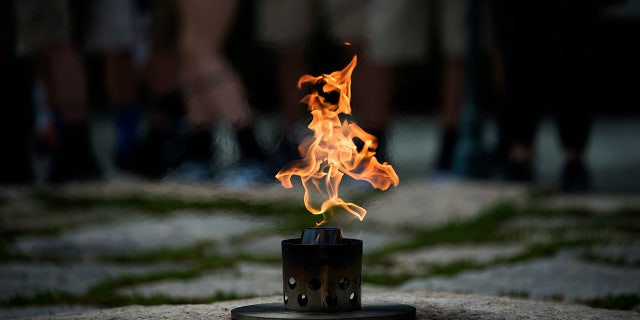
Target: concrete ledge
429,305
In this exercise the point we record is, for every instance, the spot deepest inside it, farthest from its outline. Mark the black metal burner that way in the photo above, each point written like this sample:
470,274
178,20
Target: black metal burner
321,274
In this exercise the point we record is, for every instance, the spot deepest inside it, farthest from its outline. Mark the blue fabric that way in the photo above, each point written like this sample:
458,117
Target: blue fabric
127,122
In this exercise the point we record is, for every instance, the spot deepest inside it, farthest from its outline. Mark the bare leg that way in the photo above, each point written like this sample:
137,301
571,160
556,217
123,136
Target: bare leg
65,81
63,74
450,110
211,86
120,78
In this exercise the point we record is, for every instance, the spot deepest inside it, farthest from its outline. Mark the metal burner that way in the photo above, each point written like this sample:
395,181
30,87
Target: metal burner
322,274
321,277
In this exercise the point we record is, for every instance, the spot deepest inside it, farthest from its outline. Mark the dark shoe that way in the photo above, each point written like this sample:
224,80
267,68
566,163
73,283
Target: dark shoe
447,146
575,177
162,149
147,159
519,172
73,159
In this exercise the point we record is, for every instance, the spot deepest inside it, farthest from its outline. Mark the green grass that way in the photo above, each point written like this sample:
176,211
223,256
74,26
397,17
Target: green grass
483,228
165,204
292,217
619,302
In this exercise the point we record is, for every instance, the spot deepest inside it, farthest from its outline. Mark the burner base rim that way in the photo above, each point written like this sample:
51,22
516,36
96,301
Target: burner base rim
270,311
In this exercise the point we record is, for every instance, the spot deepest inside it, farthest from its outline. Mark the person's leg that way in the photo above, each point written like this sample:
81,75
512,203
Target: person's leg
518,41
286,27
110,31
62,72
120,83
211,87
451,13
571,55
452,83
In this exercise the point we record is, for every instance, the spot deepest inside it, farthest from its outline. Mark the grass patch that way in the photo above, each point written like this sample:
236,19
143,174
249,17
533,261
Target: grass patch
165,204
448,269
454,268
198,256
483,228
189,253
619,302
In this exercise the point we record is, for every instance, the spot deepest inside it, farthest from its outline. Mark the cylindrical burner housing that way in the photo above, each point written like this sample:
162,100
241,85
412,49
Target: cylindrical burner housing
322,277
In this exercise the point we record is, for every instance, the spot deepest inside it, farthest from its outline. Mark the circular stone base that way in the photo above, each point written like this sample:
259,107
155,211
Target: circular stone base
368,311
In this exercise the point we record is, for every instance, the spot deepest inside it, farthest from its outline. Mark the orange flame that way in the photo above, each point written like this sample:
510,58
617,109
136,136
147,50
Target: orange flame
331,152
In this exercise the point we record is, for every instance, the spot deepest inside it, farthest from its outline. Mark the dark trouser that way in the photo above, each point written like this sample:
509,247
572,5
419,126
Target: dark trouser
544,46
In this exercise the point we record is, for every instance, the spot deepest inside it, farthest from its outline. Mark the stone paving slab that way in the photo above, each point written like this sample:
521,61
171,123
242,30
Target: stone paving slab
28,278
562,277
418,261
594,202
138,234
245,280
419,203
622,254
429,305
267,246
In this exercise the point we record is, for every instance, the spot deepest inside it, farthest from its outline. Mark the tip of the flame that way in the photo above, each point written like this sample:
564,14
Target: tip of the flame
347,43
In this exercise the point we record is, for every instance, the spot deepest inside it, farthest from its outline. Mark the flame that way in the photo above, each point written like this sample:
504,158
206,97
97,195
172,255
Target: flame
331,152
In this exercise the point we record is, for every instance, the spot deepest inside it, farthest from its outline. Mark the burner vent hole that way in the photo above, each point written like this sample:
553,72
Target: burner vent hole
343,283
292,283
352,298
314,284
286,298
302,299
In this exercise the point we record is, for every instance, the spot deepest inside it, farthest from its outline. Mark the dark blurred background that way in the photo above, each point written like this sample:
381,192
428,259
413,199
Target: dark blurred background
613,68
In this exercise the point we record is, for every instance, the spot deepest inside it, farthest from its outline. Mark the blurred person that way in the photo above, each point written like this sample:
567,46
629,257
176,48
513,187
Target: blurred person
159,147
44,36
190,85
553,37
211,87
381,32
464,78
111,32
394,33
